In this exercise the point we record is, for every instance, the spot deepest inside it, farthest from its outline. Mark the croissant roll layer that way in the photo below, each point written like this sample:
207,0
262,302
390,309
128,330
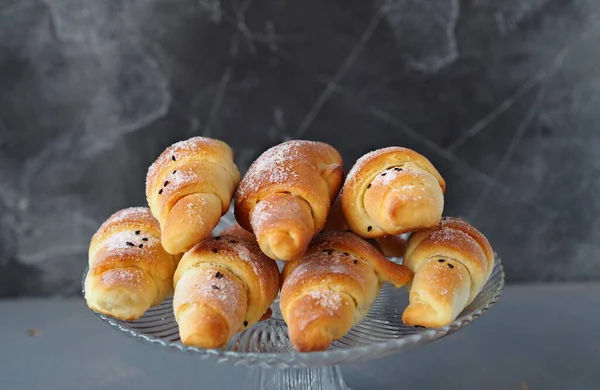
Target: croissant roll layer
210,305
129,271
392,191
283,225
438,305
333,287
452,262
463,226
189,187
222,285
285,196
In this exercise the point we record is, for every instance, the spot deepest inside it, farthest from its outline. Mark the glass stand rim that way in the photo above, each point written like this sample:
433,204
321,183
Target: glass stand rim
293,359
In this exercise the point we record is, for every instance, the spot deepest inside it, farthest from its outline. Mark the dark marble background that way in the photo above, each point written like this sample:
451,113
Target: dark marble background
503,96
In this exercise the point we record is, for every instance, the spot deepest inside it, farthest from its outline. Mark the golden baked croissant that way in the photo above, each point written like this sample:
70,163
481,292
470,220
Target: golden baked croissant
392,191
223,285
333,287
285,196
241,233
189,187
129,271
390,246
452,262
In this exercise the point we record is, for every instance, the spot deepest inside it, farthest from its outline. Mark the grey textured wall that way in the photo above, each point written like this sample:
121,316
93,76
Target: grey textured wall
502,96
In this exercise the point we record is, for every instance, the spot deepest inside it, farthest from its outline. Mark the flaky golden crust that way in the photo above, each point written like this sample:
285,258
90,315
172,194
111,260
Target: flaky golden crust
129,271
188,188
303,176
392,191
222,285
210,304
456,224
465,227
452,262
437,296
385,269
333,287
283,225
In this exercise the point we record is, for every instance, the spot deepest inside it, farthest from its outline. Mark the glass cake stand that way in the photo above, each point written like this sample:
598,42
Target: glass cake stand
274,364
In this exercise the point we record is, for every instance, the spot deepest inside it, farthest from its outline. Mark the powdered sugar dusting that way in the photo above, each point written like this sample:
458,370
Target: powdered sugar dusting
388,176
152,172
225,290
130,213
461,242
464,226
396,155
194,208
202,285
247,256
194,145
126,243
128,239
125,277
362,161
346,239
439,277
183,176
413,193
263,212
448,236
324,264
327,299
298,273
274,166
366,158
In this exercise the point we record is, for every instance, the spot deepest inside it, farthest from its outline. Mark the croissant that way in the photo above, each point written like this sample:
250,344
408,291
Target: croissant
452,262
286,194
241,233
222,285
390,246
392,191
333,287
189,187
129,271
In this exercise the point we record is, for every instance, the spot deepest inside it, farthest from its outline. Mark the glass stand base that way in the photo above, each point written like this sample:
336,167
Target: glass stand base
313,378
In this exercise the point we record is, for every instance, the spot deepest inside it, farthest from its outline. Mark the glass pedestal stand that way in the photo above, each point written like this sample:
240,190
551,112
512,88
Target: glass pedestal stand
274,364
313,378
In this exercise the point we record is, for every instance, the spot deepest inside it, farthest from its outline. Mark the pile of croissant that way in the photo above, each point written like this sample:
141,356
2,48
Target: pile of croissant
332,230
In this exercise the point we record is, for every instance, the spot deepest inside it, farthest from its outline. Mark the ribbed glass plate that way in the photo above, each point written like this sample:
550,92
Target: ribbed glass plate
266,344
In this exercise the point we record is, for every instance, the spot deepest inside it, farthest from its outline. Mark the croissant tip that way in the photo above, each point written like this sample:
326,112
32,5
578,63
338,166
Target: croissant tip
424,315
